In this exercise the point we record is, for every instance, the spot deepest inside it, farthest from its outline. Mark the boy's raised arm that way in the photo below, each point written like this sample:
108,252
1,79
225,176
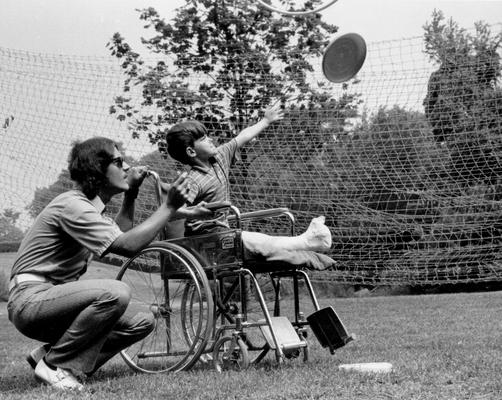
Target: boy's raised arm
272,114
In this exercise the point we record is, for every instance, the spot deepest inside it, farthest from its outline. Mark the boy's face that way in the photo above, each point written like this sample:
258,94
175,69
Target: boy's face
204,148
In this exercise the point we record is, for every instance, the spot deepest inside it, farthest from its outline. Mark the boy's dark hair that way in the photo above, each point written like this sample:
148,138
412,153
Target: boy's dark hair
88,162
181,136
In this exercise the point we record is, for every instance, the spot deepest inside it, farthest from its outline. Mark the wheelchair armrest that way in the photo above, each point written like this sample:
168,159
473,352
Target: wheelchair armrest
273,212
270,213
216,205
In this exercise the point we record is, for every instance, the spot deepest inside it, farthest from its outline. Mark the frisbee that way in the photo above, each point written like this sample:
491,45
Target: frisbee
343,58
299,10
371,367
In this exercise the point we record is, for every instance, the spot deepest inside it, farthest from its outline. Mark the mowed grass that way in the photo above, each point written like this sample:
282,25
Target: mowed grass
441,347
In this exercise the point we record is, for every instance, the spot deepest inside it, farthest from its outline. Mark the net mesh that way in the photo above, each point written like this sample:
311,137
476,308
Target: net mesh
403,206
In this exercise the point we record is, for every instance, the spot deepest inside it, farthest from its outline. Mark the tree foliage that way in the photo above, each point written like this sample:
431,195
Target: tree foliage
9,232
397,151
44,195
224,61
464,103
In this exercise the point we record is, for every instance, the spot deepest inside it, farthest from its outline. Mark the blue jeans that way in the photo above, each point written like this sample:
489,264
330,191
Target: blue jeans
85,322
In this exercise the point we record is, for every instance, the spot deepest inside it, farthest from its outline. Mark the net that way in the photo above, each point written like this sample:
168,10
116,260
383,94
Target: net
411,195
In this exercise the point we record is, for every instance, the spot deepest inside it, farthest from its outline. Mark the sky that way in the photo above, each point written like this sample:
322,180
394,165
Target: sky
83,27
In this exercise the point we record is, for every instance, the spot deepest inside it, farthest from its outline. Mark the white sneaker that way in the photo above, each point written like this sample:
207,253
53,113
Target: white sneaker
59,378
318,235
37,354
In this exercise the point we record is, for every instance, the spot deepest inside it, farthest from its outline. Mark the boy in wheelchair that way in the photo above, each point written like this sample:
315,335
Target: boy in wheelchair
188,142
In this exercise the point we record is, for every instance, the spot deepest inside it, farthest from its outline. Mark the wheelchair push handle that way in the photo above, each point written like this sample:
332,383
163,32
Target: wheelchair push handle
217,205
158,188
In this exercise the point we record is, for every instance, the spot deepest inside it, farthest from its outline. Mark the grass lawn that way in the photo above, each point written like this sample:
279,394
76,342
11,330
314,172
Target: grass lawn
441,346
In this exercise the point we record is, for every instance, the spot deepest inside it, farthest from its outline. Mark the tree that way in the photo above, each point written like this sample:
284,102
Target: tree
398,154
221,62
463,102
9,232
225,61
388,162
464,109
44,196
301,152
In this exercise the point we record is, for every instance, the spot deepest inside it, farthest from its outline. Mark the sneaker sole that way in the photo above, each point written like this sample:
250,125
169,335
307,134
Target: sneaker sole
44,382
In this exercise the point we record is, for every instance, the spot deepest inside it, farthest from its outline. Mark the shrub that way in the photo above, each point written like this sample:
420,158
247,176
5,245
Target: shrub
4,283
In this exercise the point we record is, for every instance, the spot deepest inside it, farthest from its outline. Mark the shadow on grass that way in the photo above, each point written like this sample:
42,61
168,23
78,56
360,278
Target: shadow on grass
20,381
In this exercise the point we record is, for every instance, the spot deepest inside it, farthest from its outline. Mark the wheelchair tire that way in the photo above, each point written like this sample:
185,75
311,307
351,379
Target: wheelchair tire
190,304
230,353
159,277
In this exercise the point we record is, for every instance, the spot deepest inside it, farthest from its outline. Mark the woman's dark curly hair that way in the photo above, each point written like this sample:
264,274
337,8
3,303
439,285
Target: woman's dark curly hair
181,136
88,163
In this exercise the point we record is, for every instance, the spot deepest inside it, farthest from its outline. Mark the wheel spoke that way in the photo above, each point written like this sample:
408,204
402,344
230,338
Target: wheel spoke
159,277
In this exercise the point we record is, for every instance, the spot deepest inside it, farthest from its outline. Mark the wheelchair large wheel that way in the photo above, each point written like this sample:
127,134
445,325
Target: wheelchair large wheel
159,277
190,310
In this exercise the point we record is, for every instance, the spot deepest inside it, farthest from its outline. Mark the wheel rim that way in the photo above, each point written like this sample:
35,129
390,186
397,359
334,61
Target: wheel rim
160,291
230,353
191,322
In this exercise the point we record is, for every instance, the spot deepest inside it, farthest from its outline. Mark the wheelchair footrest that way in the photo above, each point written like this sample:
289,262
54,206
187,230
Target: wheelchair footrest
285,333
329,329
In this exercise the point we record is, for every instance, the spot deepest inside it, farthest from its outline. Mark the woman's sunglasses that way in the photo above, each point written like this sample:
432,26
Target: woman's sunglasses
118,161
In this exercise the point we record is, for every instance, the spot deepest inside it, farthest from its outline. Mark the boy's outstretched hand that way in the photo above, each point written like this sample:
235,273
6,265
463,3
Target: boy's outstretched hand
273,113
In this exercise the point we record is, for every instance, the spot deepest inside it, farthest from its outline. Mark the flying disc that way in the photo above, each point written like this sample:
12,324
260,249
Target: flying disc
300,10
343,58
371,367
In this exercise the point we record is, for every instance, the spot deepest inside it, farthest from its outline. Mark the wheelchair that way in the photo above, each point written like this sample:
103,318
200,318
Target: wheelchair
214,304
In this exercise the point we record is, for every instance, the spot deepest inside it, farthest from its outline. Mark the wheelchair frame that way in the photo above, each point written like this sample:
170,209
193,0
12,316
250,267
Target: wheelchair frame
201,303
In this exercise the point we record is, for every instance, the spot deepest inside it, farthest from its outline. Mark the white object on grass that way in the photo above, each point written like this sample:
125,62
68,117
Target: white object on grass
372,367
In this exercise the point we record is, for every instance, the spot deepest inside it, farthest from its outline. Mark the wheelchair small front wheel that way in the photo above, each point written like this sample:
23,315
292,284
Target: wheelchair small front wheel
230,353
